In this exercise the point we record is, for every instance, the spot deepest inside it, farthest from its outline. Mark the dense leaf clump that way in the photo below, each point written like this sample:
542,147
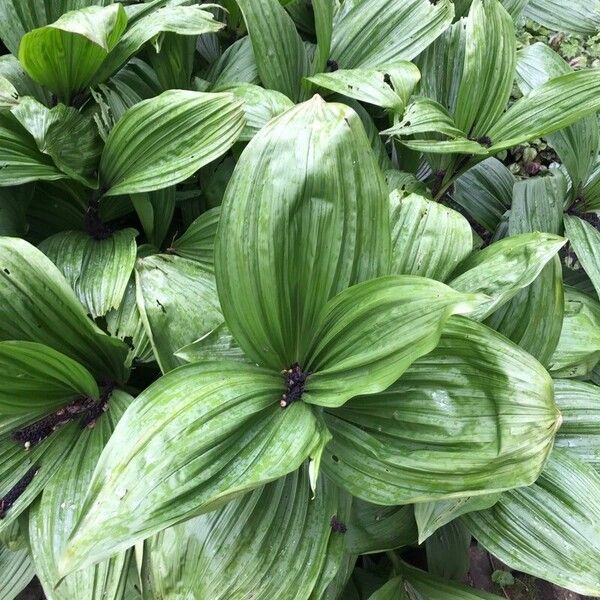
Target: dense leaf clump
298,299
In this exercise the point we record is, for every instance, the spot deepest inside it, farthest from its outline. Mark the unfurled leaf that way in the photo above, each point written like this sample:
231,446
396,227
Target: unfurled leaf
448,551
162,141
16,571
585,241
579,404
505,267
36,378
52,519
428,239
549,529
283,542
178,303
198,241
281,59
12,71
578,16
578,349
305,215
97,270
204,433
9,96
369,334
371,33
474,416
37,305
236,65
65,55
430,516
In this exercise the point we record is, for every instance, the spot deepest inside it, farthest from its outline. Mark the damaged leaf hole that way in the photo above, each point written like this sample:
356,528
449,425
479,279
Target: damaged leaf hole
337,525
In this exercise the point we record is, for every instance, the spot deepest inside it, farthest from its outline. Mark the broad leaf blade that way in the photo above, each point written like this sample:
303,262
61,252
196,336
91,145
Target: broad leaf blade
448,551
198,241
16,571
578,16
585,240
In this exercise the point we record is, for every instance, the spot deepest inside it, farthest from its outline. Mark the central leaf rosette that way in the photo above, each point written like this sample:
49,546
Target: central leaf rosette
383,391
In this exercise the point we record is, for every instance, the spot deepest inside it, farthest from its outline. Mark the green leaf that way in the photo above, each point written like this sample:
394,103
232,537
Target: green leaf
273,542
153,18
155,210
259,105
178,303
198,241
305,215
279,51
578,349
448,551
97,270
428,239
369,334
556,104
198,437
371,85
444,430
164,140
36,378
236,65
579,404
37,304
549,529
430,516
533,318
374,528
488,70
419,585
215,345
505,267
578,16
65,55
456,146
11,70
16,571
585,240
323,11
52,519
14,202
378,32
485,192
9,96
576,145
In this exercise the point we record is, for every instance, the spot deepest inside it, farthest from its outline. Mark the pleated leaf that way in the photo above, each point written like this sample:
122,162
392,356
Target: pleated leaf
578,349
52,519
304,216
556,104
273,542
178,303
37,305
505,267
428,239
578,16
279,51
369,334
430,516
371,33
448,551
155,210
414,584
474,416
164,140
579,404
16,571
36,378
65,55
550,529
198,437
585,241
97,270
198,241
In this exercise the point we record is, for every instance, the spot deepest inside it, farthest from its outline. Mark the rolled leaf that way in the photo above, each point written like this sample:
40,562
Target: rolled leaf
97,270
162,141
428,239
65,55
155,210
585,241
37,305
369,334
445,430
378,32
283,542
178,303
305,215
201,435
505,267
549,529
